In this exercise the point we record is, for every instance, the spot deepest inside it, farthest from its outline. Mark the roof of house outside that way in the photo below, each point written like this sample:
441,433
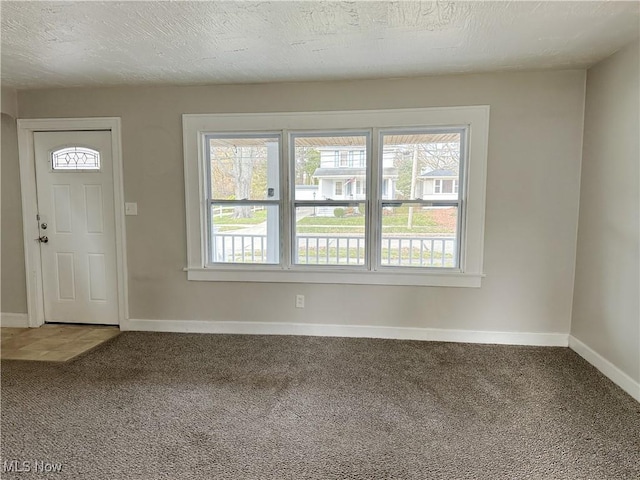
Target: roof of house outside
439,173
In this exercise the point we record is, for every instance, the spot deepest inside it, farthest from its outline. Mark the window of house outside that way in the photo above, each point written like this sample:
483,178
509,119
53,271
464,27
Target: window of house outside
371,197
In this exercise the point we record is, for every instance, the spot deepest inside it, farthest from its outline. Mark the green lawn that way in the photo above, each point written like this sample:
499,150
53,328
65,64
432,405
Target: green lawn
258,216
350,220
393,222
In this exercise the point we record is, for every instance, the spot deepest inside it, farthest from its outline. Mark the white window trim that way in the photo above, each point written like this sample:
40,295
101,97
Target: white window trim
470,272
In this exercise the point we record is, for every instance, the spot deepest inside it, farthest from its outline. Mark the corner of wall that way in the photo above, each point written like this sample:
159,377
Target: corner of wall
9,102
575,256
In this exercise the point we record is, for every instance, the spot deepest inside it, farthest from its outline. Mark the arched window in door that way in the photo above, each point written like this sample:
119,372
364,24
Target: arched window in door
75,159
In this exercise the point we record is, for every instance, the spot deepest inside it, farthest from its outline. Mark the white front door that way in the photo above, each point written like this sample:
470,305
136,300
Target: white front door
74,180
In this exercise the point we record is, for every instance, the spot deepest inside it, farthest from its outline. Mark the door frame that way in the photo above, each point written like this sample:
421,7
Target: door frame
33,263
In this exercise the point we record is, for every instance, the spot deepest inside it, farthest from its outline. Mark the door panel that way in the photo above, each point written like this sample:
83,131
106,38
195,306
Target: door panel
97,277
76,208
66,276
94,208
62,208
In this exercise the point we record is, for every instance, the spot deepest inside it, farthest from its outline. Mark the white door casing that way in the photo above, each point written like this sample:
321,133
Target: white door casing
102,296
75,205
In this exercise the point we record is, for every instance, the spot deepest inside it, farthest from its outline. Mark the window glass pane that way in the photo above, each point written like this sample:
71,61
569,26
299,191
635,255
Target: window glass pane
418,236
329,235
75,158
420,165
244,234
244,168
329,167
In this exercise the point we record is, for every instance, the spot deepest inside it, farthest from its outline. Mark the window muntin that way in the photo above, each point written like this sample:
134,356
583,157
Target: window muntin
75,158
329,226
420,223
243,195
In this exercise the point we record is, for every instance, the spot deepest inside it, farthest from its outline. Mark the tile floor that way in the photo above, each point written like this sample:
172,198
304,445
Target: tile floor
52,343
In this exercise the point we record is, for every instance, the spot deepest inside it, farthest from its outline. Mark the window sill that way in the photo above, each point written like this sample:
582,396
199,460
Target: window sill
430,279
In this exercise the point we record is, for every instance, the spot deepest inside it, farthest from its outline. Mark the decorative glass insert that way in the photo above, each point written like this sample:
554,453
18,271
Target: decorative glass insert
75,158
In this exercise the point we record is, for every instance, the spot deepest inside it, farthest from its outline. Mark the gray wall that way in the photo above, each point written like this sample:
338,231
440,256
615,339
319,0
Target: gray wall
606,308
13,295
531,218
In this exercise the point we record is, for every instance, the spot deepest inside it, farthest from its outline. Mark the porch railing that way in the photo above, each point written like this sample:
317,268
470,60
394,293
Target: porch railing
235,248
340,250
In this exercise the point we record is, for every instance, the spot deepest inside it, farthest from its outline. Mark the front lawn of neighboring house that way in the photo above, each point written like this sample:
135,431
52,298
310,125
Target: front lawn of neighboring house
394,221
224,221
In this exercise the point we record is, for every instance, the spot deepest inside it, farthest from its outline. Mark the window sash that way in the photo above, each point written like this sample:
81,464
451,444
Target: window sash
361,242
206,137
211,237
380,240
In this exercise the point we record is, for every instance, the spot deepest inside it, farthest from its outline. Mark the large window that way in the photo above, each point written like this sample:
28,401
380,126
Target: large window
370,197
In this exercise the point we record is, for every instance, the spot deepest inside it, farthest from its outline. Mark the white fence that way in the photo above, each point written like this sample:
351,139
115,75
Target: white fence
341,250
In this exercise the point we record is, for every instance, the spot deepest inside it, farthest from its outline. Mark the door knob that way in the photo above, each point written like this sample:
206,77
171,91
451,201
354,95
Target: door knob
43,239
43,226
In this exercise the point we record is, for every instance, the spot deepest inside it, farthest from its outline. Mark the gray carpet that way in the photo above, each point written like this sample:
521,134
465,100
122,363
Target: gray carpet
172,406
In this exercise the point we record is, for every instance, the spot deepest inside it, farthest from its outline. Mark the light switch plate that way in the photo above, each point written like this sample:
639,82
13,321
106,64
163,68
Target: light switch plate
130,208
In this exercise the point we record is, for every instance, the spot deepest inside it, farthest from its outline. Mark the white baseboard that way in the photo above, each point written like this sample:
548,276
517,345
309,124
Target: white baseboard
355,331
614,374
15,320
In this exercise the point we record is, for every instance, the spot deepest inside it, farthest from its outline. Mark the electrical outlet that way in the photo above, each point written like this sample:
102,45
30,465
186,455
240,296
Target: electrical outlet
299,301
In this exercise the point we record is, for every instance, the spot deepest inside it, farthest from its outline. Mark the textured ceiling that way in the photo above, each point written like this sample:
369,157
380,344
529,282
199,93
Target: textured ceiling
63,44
